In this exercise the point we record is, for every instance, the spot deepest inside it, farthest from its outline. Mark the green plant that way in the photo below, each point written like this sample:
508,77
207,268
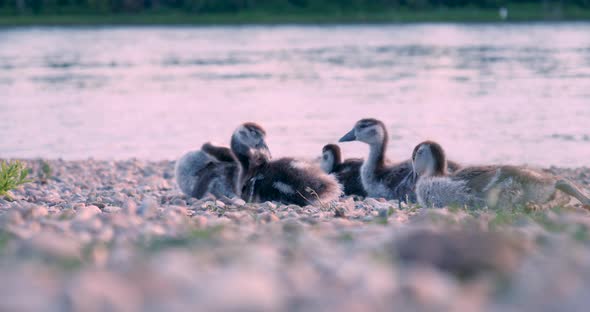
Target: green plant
12,174
45,173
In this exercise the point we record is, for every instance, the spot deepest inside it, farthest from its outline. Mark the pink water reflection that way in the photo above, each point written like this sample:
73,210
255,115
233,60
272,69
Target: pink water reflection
488,93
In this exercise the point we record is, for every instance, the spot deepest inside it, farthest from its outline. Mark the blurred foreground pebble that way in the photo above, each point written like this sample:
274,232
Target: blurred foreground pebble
118,236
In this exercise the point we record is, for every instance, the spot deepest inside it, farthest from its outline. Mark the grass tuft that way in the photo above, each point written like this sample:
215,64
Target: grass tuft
12,175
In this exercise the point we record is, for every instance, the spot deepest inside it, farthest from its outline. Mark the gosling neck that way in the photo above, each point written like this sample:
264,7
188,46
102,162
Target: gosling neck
243,155
377,153
337,158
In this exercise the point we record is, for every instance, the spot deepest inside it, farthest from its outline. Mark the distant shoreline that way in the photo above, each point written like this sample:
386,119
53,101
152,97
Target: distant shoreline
461,15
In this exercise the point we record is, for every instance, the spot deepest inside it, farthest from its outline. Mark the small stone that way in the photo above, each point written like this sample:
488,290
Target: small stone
52,198
19,232
179,210
87,212
428,287
270,205
268,217
100,291
120,221
55,245
340,212
12,217
465,253
99,205
67,213
163,185
292,227
118,199
148,207
90,225
375,204
105,234
157,229
347,204
179,202
78,206
36,212
112,209
219,204
60,226
203,206
201,221
208,197
130,207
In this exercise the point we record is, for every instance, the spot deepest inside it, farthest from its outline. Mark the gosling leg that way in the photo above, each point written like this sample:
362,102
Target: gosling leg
572,190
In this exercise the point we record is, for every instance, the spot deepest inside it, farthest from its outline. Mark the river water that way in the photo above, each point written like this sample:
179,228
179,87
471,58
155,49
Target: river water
489,93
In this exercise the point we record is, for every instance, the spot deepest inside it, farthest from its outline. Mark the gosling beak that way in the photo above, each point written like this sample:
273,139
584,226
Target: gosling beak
350,136
264,151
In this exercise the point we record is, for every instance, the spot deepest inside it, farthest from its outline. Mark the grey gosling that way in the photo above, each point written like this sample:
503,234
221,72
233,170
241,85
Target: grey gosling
492,186
380,179
284,180
210,170
348,172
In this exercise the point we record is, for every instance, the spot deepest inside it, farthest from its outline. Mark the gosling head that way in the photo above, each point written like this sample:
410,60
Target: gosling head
428,159
331,156
249,140
369,130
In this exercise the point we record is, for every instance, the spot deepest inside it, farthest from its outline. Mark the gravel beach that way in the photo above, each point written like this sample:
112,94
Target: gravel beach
120,236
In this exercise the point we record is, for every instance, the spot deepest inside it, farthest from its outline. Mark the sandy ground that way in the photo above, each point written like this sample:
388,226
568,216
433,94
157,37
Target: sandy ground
119,236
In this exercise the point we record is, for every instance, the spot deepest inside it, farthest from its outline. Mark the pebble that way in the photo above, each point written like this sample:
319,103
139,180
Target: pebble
179,202
148,207
239,202
268,217
87,212
12,217
102,291
112,209
201,221
340,212
52,198
372,202
130,207
271,205
54,245
464,253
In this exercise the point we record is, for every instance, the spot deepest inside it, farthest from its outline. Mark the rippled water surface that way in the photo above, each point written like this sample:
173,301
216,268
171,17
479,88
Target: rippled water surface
489,93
